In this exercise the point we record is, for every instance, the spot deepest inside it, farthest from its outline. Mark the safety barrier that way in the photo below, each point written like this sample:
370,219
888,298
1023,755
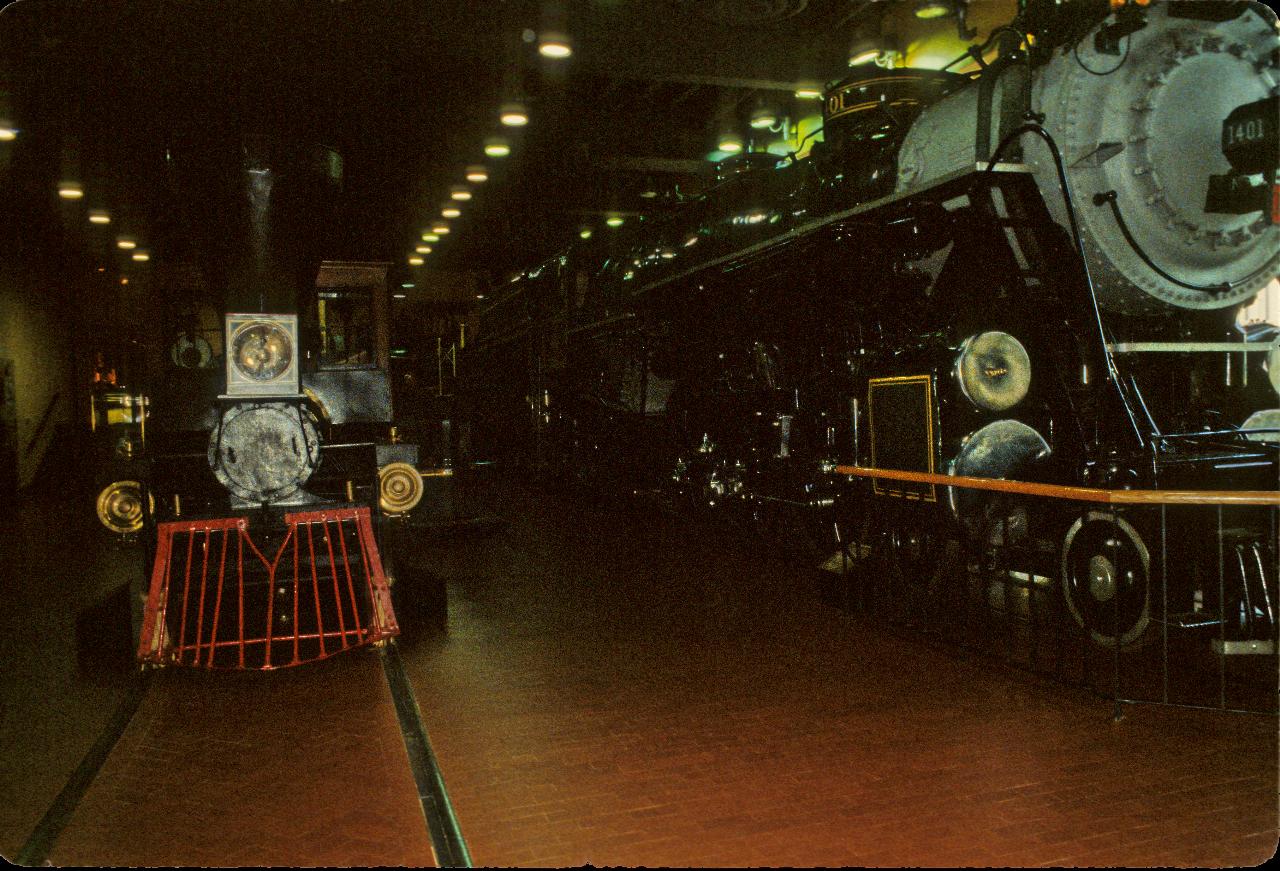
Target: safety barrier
1162,596
322,592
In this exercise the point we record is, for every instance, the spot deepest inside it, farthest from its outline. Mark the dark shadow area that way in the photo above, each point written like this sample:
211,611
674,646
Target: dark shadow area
104,643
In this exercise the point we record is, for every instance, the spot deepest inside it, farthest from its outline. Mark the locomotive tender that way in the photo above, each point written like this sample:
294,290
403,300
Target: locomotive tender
1031,273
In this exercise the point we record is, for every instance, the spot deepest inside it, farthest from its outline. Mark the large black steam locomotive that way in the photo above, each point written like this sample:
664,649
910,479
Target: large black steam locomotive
1032,273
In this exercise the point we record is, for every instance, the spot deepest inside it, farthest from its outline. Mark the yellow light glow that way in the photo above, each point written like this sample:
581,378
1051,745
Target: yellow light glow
864,57
7,133
430,237
125,243
730,144
928,9
477,174
440,229
809,93
450,212
615,220
98,216
460,194
70,190
124,280
415,261
513,115
141,256
585,233
555,46
423,249
497,148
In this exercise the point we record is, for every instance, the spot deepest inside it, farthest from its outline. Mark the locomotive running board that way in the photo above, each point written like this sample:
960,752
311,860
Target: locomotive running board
275,619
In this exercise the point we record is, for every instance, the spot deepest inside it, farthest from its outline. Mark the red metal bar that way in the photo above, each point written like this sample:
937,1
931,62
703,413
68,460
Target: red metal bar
240,590
295,600
217,608
186,590
200,613
351,590
315,585
333,570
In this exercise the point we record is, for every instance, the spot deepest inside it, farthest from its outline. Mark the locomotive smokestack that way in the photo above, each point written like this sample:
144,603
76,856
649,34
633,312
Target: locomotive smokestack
262,211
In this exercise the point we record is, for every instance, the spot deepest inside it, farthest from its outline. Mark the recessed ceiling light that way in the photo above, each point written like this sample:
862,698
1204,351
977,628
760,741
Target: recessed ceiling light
450,212
807,93
430,237
496,146
762,118
415,261
513,115
70,190
99,216
399,296
124,280
7,133
927,9
555,45
477,173
408,284
585,232
440,229
615,220
459,193
125,243
421,249
141,256
731,143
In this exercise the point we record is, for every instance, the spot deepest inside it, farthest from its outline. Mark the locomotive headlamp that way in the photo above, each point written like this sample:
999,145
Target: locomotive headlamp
399,488
120,506
262,359
994,370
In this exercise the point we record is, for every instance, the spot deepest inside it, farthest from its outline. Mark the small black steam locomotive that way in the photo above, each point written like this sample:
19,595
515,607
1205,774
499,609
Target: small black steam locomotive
1029,274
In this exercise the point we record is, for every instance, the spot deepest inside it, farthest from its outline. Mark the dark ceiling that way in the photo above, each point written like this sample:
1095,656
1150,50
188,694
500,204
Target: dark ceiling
407,92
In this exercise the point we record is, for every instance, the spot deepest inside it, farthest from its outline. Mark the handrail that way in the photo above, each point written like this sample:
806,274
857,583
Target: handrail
1082,494
44,422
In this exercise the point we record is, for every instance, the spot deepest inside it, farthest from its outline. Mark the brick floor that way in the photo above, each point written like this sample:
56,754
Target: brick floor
297,767
621,691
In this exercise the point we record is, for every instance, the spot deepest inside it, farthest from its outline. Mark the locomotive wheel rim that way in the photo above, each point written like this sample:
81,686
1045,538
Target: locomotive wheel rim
119,506
1108,593
399,488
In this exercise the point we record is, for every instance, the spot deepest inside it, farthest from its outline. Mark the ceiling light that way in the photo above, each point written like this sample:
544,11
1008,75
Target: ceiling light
513,115
399,296
450,212
141,256
763,117
927,9
415,261
496,146
585,233
421,249
555,45
408,284
809,93
440,229
459,193
99,216
70,190
7,133
124,280
430,237
615,220
125,243
477,173
864,50
730,142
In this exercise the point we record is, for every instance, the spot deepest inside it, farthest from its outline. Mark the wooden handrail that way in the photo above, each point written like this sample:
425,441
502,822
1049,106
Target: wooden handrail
1081,494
